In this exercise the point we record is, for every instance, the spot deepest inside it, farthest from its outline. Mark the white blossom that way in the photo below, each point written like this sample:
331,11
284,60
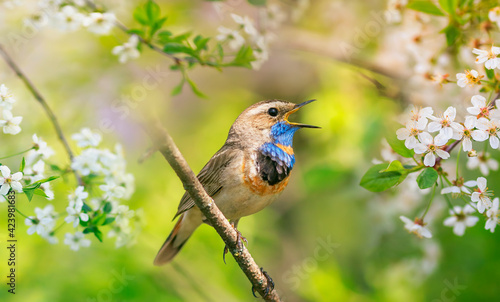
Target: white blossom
466,133
470,77
411,133
75,214
78,195
484,162
494,15
246,23
128,50
460,219
479,109
10,123
416,227
488,57
233,36
431,147
6,98
8,181
490,127
459,186
492,215
100,23
75,241
68,19
481,195
444,123
87,138
43,222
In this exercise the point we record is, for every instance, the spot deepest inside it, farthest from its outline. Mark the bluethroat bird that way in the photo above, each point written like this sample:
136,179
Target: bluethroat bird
246,175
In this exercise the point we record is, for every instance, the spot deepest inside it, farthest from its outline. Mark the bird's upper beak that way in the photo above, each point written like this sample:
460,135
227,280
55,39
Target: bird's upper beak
295,109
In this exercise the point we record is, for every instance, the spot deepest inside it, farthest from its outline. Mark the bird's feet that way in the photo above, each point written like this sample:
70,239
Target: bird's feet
270,284
239,242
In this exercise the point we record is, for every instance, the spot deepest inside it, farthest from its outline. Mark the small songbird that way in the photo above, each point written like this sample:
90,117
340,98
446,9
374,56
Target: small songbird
246,175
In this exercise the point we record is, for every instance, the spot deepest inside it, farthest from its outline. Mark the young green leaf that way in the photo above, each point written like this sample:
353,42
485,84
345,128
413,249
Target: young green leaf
490,73
399,146
425,6
452,33
29,193
152,11
107,207
195,89
141,16
427,178
109,220
376,180
172,48
178,89
98,234
23,164
449,6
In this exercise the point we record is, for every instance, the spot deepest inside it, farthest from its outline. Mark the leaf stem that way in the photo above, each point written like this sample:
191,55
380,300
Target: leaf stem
430,201
19,153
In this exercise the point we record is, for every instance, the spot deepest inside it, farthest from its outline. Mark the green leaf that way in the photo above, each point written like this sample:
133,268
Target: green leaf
107,207
172,48
427,178
201,43
99,219
157,25
490,73
425,6
220,51
29,193
138,32
243,57
109,220
376,180
23,164
395,165
40,192
258,2
86,208
141,16
399,146
152,11
88,230
449,6
178,89
98,234
195,89
452,33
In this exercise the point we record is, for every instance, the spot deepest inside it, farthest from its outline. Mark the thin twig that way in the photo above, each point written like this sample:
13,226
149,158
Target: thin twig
34,91
165,144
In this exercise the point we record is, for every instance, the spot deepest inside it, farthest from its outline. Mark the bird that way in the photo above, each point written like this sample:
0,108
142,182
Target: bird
246,175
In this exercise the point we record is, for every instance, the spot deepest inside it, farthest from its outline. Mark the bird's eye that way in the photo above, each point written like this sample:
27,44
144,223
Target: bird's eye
272,111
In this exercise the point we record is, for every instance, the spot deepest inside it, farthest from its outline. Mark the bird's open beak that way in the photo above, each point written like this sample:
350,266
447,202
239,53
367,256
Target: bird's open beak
295,109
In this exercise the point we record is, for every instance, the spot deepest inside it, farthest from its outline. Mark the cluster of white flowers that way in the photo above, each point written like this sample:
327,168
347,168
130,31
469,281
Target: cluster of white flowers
8,122
68,16
247,32
36,163
43,223
128,50
108,168
482,125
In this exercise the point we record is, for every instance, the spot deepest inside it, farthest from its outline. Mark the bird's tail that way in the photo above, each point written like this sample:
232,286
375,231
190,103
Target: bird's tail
176,240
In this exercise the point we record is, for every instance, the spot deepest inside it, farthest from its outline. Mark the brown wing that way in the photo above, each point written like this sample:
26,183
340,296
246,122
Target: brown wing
210,177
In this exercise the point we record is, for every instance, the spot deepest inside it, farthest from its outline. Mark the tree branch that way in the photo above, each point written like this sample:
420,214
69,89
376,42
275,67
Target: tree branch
165,144
34,91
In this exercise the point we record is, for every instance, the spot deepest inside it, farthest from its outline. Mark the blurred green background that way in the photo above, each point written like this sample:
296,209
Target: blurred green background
325,239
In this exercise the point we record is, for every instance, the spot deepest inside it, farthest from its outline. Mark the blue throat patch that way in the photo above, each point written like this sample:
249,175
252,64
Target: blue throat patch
282,134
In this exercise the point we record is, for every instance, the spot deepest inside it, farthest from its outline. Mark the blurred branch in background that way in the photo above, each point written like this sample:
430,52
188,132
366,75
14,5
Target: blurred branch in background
165,144
38,96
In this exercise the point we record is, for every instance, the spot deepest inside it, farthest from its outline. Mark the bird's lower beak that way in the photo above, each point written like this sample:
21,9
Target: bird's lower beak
295,109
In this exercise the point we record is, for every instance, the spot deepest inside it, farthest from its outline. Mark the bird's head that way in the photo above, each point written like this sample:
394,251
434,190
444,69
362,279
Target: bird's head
267,121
